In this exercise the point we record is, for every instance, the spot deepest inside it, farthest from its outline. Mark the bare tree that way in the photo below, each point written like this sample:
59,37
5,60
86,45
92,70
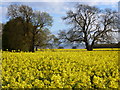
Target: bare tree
89,25
23,11
41,21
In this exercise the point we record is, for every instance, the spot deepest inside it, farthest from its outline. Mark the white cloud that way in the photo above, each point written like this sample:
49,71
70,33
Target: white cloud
50,7
103,3
59,0
56,6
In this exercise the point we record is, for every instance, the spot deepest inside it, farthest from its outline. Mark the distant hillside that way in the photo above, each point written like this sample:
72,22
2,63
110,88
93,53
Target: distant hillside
113,45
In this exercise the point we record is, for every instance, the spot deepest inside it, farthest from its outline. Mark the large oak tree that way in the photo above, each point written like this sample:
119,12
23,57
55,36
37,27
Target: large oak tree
89,25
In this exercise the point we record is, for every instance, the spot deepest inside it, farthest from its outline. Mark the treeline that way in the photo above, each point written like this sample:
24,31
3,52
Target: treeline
113,45
26,28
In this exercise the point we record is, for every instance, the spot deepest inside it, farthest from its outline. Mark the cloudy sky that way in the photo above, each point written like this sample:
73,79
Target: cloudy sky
56,8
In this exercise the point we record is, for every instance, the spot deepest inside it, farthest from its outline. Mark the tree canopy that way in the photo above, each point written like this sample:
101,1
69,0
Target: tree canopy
25,28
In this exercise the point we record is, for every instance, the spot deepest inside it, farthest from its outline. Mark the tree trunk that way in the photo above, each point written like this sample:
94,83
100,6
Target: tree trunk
31,48
89,47
32,43
36,48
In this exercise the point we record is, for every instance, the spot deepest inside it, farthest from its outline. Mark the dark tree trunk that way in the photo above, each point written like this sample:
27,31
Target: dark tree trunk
32,42
36,48
89,47
32,46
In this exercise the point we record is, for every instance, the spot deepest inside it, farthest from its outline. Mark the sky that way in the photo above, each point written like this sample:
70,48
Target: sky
56,8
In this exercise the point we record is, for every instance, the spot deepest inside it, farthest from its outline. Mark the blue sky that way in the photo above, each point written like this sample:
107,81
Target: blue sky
57,9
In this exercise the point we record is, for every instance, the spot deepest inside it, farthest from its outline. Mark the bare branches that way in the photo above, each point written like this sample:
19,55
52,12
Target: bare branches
91,24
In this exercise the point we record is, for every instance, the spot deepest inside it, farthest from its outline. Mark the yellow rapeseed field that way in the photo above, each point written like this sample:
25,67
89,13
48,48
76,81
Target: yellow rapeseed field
60,69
